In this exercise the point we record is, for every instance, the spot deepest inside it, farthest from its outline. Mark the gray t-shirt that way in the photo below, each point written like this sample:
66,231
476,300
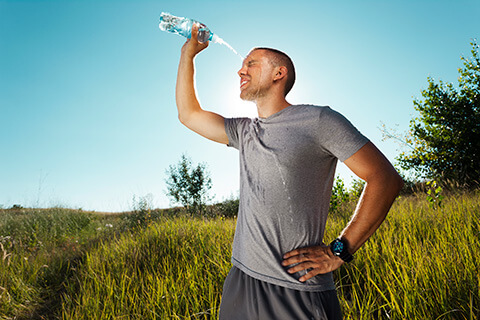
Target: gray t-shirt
287,167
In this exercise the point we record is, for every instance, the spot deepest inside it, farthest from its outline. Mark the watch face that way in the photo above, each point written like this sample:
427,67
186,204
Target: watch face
337,247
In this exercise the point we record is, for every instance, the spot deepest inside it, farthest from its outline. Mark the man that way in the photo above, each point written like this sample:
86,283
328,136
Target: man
281,268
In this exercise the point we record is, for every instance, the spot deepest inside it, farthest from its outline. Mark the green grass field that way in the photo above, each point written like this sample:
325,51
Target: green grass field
423,263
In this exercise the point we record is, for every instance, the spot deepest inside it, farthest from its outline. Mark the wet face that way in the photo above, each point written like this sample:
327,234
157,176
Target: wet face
255,76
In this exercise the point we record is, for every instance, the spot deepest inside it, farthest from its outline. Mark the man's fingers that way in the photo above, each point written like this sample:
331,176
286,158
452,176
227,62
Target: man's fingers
295,252
302,254
315,260
192,47
290,254
195,32
312,268
295,259
302,266
309,274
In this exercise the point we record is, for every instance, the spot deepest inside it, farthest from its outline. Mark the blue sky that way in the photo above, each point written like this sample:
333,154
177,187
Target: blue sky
87,109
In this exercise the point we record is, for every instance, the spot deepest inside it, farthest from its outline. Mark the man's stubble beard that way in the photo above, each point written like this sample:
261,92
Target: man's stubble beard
254,94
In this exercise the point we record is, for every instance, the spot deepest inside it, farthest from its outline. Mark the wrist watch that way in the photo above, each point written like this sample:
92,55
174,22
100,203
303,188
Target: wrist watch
339,248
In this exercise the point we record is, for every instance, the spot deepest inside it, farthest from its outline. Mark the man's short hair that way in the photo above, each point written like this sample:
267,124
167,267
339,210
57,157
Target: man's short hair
279,58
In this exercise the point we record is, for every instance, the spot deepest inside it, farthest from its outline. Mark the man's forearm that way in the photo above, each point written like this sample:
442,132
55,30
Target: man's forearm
372,208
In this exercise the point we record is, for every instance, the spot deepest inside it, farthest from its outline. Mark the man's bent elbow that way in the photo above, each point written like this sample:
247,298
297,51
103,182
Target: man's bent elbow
389,180
183,119
188,120
397,182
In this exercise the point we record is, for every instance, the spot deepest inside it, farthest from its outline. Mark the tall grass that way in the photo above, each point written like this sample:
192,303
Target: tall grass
39,250
172,270
422,263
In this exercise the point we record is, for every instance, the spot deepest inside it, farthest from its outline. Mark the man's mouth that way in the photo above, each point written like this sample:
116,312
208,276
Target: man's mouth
243,82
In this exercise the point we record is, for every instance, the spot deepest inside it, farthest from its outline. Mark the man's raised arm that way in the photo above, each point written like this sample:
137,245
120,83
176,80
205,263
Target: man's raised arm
208,124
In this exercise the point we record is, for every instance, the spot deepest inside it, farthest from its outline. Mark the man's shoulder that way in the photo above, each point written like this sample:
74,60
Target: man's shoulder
323,117
312,108
313,111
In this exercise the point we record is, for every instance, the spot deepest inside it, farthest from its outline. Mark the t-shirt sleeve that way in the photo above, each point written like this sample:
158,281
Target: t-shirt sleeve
338,136
233,128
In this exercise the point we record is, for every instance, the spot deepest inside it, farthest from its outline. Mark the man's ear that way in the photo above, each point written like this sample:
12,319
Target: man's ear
281,72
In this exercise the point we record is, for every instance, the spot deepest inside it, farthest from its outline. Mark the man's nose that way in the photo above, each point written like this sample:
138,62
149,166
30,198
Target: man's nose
241,71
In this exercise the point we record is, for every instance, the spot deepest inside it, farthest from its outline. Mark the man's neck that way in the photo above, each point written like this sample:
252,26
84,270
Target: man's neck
268,106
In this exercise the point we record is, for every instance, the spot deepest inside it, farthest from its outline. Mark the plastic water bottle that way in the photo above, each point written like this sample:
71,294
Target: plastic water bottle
183,27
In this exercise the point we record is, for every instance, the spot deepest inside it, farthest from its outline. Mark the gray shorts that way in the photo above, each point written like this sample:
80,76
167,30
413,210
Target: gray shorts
246,298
